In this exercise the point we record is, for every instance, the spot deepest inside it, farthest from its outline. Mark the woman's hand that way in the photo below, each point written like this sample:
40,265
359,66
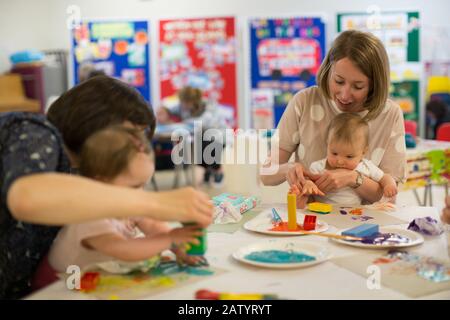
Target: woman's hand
295,176
187,205
332,180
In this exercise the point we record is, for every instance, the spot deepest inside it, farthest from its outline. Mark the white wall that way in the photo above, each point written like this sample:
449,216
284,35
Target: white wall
42,24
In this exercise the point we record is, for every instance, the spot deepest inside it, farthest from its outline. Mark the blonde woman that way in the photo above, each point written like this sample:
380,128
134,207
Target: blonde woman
354,77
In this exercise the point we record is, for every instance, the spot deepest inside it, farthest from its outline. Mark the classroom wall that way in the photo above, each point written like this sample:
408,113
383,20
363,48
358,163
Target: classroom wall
43,24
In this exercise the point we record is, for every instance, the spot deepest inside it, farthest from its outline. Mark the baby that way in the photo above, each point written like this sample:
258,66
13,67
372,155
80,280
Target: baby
119,156
348,139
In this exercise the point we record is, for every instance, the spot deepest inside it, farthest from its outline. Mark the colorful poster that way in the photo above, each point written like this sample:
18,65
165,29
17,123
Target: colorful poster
200,53
286,54
399,32
118,48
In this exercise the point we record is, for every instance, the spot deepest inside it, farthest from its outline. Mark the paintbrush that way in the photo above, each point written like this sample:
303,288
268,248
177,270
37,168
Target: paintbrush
276,219
332,235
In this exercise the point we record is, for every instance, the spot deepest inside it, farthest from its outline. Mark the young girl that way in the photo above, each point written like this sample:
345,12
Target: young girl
119,156
192,108
348,140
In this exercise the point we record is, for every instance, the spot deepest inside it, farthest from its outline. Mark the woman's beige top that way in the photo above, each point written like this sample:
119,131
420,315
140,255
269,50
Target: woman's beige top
303,127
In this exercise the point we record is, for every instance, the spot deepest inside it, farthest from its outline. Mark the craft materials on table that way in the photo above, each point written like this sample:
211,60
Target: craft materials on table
318,207
271,222
427,226
197,249
282,254
386,237
228,207
137,284
410,273
344,217
204,294
292,211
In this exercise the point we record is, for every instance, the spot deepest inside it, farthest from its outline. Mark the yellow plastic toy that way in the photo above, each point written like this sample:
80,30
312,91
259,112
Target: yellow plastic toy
319,207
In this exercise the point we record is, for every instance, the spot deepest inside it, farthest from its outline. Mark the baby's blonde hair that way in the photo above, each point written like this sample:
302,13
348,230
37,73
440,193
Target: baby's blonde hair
345,126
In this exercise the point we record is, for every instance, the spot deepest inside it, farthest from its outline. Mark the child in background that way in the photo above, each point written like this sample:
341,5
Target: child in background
119,156
192,108
347,138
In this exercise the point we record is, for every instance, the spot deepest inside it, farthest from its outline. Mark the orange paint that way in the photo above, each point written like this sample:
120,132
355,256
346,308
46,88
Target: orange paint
383,260
356,212
283,226
89,281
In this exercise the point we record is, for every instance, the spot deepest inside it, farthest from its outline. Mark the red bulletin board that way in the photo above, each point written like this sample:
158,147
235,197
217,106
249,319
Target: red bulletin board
200,53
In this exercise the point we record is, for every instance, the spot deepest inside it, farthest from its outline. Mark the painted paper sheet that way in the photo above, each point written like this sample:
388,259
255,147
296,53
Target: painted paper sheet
410,273
200,53
143,285
118,48
342,218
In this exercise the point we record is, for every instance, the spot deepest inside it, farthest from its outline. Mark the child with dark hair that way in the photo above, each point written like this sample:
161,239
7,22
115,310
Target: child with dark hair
192,108
119,156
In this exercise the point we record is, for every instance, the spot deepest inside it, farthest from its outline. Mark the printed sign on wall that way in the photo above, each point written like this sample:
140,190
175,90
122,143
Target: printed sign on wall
199,53
118,48
286,54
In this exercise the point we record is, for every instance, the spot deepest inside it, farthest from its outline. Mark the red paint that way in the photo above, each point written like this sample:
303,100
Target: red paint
207,295
89,281
383,260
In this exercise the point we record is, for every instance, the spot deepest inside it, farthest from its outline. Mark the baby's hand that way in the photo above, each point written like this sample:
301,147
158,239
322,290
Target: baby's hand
182,235
390,191
310,188
191,260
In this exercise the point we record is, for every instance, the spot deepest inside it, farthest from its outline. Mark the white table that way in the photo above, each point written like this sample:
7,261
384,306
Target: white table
323,281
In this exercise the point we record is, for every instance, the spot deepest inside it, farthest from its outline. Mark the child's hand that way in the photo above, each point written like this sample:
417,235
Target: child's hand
183,235
390,191
310,188
184,258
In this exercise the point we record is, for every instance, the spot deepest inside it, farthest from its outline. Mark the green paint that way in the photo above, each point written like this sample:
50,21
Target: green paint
197,249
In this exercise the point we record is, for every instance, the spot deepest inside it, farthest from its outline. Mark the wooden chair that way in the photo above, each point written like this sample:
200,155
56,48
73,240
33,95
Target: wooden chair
12,95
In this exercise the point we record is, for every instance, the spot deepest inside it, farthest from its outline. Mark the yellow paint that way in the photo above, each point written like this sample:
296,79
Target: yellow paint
241,296
292,211
320,207
113,297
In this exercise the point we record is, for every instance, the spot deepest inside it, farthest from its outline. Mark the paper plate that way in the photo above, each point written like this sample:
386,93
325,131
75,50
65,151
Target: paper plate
414,239
263,223
318,251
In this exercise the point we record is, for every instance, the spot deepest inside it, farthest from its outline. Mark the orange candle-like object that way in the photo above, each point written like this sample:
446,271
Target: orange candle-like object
292,211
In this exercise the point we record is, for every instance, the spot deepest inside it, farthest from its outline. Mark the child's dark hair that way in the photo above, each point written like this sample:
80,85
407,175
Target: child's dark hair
345,125
96,104
194,96
107,153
